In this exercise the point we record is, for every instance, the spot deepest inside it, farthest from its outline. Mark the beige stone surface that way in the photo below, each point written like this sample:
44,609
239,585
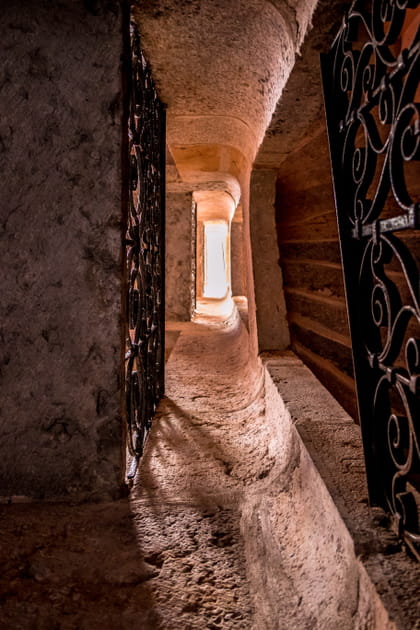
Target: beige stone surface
334,443
179,256
228,524
122,565
221,66
60,247
273,330
237,256
298,112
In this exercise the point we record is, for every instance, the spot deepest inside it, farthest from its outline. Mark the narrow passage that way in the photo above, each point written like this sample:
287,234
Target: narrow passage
228,525
203,450
170,556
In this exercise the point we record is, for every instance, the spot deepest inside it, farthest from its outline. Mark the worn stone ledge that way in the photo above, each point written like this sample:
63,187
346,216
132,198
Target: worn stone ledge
226,436
332,441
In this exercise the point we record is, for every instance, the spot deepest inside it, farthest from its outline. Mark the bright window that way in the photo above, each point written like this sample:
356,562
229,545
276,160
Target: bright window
215,272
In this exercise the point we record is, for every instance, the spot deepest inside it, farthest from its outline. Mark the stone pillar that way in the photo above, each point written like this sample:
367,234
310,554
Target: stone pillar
60,238
199,275
179,256
273,331
237,259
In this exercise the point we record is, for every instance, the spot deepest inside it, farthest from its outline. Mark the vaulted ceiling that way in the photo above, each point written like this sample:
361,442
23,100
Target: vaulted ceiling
223,69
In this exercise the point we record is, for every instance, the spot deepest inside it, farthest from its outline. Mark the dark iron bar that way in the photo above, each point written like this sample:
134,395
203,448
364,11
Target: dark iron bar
409,221
371,91
145,256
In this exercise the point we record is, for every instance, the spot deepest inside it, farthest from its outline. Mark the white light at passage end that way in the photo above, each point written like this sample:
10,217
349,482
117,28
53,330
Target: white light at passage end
215,239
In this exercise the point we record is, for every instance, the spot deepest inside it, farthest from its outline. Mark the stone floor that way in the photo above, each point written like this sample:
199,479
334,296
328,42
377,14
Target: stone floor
228,524
171,555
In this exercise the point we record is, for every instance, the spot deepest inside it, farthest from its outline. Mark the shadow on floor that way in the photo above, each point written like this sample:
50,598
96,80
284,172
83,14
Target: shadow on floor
74,567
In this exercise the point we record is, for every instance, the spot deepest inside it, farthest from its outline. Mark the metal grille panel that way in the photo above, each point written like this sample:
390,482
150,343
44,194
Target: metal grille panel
371,91
145,240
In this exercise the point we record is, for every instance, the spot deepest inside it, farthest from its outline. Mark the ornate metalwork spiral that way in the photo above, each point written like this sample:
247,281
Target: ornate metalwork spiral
371,86
144,373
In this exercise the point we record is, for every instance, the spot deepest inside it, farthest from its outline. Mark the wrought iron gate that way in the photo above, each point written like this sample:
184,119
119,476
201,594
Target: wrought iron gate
145,242
372,94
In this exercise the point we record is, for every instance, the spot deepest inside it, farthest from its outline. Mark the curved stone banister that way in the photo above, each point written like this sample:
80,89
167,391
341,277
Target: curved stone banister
220,68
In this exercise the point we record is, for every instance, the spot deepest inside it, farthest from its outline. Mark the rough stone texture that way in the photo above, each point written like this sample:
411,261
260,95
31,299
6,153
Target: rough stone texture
203,47
80,566
228,525
298,548
295,145
179,255
221,67
122,565
237,258
273,330
224,438
60,238
311,265
171,558
300,109
334,444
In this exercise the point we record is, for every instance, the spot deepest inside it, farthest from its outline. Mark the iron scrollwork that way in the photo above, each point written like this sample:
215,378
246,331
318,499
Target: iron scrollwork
144,370
372,101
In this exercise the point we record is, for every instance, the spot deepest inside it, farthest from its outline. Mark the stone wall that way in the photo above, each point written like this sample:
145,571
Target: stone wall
179,269
60,235
295,145
237,259
273,333
311,264
332,441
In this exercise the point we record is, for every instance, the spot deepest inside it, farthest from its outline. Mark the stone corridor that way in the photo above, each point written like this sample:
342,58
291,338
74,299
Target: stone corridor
171,555
204,540
250,508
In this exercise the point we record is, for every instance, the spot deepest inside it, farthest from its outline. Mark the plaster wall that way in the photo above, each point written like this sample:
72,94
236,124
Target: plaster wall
178,281
60,239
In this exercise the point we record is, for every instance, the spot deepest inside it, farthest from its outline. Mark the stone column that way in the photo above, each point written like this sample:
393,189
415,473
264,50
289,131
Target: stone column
273,331
60,237
179,256
237,259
